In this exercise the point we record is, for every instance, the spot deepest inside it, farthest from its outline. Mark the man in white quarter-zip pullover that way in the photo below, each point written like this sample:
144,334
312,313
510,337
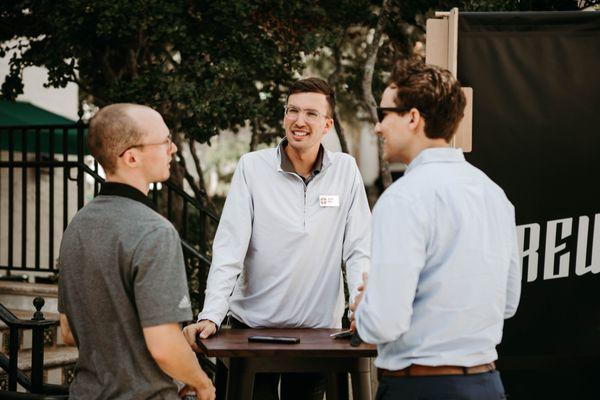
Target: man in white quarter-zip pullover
292,216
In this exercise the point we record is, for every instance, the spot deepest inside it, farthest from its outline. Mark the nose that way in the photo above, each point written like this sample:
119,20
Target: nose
377,129
173,148
300,121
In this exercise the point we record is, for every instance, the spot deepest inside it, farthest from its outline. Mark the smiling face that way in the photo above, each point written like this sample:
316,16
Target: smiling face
302,135
395,129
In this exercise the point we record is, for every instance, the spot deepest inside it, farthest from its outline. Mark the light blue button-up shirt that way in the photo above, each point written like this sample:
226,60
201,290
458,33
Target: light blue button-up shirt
445,268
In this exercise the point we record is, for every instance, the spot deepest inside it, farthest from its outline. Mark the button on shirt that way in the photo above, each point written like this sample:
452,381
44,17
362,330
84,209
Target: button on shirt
279,246
445,266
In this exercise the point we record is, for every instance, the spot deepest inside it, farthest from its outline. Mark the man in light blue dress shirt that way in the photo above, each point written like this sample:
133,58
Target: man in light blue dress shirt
445,267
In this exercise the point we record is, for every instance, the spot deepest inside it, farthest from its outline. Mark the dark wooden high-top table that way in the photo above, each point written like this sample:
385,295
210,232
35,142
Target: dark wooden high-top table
316,352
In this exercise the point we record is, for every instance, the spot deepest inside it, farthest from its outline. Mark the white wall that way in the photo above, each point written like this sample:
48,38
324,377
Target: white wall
61,101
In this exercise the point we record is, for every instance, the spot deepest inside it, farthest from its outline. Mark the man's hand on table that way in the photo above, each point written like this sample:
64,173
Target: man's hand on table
204,328
357,300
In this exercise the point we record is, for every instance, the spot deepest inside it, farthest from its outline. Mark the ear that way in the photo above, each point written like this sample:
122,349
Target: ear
130,158
328,125
415,119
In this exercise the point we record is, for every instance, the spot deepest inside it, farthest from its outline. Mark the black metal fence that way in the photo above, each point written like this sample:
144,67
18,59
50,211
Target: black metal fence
33,383
45,177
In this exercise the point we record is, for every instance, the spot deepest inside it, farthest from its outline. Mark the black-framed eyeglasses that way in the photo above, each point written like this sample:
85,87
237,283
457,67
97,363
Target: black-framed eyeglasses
167,141
381,111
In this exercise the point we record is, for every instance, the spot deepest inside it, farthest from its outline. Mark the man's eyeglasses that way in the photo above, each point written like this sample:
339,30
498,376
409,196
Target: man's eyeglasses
293,113
167,141
381,111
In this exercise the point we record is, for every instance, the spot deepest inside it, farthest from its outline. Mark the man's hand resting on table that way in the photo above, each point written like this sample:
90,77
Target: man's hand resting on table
204,328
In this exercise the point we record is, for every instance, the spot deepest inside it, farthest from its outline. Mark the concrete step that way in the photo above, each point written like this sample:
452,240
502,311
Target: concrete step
20,295
59,365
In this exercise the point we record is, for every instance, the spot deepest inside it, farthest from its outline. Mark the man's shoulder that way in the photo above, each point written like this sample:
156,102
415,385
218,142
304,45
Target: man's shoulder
269,154
492,186
118,211
343,164
338,157
402,190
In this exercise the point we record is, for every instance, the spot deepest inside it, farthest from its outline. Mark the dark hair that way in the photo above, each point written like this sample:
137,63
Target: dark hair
434,92
315,85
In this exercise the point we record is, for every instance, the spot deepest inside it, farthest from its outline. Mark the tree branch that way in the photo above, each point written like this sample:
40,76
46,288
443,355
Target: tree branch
188,177
333,80
203,196
367,83
109,75
254,140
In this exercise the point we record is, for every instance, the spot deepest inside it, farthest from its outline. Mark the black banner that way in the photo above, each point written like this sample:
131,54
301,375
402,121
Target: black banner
536,132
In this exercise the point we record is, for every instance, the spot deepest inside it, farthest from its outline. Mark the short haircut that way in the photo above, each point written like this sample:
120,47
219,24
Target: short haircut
112,130
434,92
315,85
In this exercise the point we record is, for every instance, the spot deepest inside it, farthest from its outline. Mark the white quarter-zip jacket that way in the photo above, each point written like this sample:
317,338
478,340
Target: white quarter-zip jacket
279,247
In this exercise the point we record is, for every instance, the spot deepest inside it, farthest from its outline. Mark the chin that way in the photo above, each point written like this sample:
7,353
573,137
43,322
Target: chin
163,178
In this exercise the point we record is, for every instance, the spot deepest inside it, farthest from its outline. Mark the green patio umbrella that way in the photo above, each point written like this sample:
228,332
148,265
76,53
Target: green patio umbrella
19,119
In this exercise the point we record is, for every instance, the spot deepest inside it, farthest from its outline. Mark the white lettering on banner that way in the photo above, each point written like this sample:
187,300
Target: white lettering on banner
552,249
558,249
582,240
531,254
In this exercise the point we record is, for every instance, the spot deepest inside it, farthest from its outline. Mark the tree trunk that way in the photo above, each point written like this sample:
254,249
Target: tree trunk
367,84
333,80
255,139
340,132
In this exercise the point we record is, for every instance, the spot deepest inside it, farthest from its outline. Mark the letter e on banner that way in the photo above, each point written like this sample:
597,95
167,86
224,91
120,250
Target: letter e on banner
552,249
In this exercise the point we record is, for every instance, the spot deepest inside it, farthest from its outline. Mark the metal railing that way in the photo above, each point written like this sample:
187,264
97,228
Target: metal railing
35,382
44,180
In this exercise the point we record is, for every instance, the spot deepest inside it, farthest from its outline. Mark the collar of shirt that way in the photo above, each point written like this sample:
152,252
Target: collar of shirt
287,166
124,190
436,155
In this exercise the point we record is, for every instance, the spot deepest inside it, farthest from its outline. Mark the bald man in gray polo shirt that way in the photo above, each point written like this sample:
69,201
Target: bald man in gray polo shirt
122,286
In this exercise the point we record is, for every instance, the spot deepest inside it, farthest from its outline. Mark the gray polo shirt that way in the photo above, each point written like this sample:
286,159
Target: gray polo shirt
121,269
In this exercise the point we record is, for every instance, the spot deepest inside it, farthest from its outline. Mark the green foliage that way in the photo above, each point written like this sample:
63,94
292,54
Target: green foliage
206,66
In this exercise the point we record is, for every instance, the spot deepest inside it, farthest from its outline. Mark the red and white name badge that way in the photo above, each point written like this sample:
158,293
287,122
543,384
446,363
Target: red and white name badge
329,201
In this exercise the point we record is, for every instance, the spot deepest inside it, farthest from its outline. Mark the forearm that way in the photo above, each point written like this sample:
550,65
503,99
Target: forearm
182,364
65,331
354,276
172,353
381,323
513,286
219,286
